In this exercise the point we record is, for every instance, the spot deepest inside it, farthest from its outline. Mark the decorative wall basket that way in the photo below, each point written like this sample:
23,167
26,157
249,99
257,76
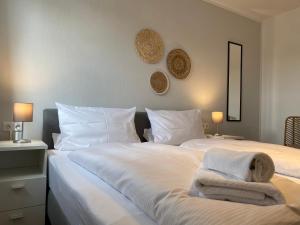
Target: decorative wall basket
159,83
150,46
179,63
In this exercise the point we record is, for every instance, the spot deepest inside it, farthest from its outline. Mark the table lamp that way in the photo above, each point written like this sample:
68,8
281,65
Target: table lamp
217,118
22,112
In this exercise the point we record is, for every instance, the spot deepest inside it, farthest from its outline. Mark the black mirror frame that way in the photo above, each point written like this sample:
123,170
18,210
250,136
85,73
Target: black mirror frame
241,80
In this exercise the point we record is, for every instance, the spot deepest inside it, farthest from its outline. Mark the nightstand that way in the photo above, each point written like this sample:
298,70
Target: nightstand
22,183
224,137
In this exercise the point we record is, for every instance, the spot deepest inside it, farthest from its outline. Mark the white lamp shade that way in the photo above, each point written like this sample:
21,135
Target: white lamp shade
217,117
23,112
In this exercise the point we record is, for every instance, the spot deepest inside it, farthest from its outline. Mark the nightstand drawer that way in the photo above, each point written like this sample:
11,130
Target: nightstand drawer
26,216
22,193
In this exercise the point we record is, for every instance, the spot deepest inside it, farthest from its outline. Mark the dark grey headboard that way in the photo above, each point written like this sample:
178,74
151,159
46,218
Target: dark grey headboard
50,125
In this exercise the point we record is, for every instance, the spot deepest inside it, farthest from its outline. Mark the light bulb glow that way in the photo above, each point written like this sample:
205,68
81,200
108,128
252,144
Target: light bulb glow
217,117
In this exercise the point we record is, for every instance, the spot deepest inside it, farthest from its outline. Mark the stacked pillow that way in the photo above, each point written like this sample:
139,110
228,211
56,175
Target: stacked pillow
83,127
175,127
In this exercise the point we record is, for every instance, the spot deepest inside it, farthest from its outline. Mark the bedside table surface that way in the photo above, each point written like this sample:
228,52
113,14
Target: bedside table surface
9,145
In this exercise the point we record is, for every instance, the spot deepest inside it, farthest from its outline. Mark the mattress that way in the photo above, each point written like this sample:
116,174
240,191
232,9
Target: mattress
86,199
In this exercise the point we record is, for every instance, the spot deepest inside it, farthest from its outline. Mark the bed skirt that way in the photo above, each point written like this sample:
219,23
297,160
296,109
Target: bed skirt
54,212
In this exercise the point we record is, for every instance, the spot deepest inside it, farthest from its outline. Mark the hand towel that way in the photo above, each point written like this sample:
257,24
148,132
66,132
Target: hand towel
218,186
247,166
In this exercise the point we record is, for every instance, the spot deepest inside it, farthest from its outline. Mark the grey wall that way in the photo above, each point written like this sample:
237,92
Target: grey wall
5,73
82,52
280,74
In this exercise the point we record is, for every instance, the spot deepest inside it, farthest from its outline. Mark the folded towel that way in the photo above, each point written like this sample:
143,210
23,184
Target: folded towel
247,166
218,186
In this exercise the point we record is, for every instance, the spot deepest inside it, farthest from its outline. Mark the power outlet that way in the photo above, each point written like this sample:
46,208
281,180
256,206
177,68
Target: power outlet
12,126
205,126
7,126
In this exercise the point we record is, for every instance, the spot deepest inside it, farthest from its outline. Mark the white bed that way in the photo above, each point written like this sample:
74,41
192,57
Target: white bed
157,179
86,199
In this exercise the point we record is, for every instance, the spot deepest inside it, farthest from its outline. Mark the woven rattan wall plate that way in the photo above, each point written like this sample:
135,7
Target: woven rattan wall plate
179,63
159,83
150,46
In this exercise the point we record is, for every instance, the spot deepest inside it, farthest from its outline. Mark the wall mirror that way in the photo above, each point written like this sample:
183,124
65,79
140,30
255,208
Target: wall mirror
234,82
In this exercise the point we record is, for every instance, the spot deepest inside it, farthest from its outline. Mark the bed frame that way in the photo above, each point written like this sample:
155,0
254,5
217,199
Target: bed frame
55,215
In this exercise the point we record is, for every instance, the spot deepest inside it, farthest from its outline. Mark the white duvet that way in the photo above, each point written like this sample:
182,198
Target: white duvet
157,179
286,160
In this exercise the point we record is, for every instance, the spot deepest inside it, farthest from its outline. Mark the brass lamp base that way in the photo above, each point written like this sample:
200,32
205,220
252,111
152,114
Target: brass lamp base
22,141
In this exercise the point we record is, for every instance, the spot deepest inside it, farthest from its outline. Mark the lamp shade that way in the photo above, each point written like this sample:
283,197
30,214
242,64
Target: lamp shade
217,117
23,112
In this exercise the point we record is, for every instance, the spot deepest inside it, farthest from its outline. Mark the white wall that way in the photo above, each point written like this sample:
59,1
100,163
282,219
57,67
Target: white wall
82,52
280,74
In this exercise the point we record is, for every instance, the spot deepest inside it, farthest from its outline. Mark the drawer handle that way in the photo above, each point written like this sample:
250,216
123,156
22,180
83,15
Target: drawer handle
16,216
17,186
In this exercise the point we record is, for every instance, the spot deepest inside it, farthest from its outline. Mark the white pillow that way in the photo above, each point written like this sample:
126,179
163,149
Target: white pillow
175,127
83,127
148,135
57,140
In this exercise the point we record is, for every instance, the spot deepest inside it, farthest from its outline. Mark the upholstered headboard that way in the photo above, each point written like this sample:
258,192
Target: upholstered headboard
50,125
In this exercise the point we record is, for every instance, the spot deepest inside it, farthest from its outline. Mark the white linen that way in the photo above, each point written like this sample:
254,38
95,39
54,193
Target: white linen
148,135
157,179
218,186
286,159
83,127
86,199
175,127
55,136
246,166
57,140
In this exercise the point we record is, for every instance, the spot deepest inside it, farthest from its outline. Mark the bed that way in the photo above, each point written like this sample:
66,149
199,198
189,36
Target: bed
128,189
68,205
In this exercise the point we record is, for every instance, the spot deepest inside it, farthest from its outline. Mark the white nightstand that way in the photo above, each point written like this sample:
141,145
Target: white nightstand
22,183
223,137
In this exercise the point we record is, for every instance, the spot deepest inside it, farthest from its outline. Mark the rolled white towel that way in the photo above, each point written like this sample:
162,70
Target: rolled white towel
247,166
218,186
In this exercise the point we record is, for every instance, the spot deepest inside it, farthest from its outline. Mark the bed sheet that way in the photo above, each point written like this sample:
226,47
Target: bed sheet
86,199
